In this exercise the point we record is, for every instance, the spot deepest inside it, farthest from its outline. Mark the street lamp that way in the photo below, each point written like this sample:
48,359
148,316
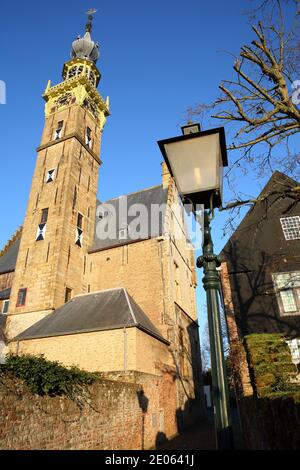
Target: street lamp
195,161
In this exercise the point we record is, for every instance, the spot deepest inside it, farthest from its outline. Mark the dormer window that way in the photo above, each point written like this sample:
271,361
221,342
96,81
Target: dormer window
88,137
79,230
291,227
41,230
58,131
50,176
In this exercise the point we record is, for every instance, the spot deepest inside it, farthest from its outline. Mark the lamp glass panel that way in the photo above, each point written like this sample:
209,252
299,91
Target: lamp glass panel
195,163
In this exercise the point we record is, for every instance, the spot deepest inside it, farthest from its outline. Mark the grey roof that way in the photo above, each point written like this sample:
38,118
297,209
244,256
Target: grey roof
98,311
5,294
9,259
155,196
114,213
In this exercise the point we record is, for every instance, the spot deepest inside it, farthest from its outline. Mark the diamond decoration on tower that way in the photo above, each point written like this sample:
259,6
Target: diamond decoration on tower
41,232
79,237
50,176
58,131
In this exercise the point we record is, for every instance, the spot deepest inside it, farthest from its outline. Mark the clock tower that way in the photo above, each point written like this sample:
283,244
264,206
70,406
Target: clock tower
58,228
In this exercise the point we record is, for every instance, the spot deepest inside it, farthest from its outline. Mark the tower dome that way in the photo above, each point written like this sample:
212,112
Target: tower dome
85,47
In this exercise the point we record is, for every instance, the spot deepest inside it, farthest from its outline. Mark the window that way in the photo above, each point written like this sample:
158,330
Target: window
79,220
291,227
88,137
294,345
5,306
92,78
41,230
50,176
21,301
68,295
79,230
288,292
58,131
44,217
72,72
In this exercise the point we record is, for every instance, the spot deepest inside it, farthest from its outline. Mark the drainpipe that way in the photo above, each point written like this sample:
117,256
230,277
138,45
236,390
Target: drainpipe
125,348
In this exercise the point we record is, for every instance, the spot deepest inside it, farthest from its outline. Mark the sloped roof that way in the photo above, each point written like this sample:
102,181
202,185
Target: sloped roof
117,209
278,181
156,195
98,311
9,258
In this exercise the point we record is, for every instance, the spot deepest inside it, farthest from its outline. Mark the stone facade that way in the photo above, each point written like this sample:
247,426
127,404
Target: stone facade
59,262
54,264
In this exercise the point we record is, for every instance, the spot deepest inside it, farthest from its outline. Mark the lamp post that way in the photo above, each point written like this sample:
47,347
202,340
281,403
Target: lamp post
195,161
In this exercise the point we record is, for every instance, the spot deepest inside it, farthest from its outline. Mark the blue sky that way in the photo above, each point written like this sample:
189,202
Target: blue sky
157,59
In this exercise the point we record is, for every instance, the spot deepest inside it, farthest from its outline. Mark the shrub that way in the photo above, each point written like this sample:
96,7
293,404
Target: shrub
44,377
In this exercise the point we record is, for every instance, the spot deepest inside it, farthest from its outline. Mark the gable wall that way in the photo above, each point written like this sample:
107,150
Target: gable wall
257,250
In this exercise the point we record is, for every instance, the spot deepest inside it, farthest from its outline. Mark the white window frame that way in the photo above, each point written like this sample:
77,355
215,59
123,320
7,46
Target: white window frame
294,345
5,302
288,293
88,138
291,227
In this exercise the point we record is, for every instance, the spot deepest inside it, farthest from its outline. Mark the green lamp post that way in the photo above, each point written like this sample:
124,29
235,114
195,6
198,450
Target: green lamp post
195,161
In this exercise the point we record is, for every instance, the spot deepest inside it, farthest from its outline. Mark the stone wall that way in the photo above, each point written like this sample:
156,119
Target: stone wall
100,351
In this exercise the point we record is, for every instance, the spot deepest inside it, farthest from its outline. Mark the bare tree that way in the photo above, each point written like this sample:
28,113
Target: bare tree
261,102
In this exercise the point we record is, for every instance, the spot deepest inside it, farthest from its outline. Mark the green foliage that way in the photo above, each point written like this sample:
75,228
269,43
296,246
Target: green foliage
271,363
280,384
44,377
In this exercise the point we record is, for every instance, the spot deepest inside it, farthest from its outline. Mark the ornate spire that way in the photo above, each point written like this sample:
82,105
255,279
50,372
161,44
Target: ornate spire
89,25
86,48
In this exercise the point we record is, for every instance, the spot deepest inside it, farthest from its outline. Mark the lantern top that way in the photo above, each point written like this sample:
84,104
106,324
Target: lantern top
196,160
192,135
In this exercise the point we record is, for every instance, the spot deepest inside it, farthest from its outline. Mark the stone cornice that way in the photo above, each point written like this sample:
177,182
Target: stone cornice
67,137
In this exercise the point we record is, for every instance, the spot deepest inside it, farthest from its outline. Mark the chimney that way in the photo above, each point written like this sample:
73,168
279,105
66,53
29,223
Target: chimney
165,174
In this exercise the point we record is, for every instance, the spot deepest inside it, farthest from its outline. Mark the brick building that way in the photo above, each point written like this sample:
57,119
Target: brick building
261,269
120,304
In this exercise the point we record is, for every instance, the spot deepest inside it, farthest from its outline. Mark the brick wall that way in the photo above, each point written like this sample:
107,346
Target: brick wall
115,415
238,359
110,419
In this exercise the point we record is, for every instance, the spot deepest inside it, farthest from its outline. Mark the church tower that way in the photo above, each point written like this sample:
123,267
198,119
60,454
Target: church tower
58,228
